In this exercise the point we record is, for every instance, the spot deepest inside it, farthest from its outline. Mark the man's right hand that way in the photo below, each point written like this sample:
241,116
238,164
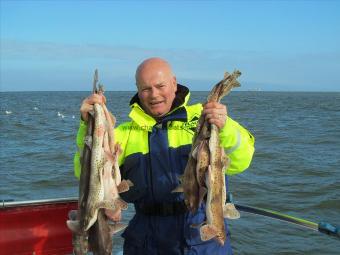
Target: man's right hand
87,104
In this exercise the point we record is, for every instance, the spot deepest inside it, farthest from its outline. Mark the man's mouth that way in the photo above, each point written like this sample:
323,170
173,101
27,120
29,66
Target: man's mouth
156,103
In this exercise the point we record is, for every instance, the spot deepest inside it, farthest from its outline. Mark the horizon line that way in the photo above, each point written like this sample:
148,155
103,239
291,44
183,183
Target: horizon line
250,90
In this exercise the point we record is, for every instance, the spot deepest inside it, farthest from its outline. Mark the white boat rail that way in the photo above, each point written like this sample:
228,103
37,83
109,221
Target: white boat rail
7,203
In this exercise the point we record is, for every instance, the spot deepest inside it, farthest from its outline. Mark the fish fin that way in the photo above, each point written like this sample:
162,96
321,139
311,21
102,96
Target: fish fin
113,204
230,212
107,125
113,118
118,150
194,152
88,141
73,214
73,225
105,143
130,183
181,178
109,158
225,160
120,203
124,186
116,227
198,225
220,240
178,189
114,215
208,232
107,204
236,84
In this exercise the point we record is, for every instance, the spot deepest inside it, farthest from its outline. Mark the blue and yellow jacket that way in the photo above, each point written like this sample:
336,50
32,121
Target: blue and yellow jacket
155,153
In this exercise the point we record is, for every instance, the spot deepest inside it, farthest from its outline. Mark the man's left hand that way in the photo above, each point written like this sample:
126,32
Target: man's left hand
215,113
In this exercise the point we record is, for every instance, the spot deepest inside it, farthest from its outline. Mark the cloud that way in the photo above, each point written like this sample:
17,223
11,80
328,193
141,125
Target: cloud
118,63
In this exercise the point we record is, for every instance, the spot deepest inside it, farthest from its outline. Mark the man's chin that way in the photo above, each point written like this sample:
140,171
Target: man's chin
157,114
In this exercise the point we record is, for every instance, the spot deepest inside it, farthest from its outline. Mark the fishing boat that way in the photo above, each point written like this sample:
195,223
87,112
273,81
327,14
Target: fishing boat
36,227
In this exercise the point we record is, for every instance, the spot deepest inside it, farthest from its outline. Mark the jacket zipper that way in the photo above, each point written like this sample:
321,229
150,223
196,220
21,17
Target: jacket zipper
150,174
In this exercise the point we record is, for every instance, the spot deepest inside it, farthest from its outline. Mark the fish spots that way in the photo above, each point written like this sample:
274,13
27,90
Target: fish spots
103,192
100,130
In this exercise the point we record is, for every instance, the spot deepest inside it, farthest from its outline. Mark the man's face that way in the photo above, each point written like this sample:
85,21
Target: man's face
156,91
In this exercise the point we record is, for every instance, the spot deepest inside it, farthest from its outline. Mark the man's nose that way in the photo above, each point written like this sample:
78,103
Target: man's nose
154,92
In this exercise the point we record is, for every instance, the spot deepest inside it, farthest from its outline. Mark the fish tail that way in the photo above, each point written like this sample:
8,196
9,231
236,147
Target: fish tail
230,211
178,189
73,225
116,227
124,186
208,232
120,203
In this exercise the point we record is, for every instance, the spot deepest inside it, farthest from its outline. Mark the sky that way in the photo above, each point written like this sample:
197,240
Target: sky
277,45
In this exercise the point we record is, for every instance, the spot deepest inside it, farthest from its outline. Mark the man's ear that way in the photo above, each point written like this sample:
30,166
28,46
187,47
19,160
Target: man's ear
174,81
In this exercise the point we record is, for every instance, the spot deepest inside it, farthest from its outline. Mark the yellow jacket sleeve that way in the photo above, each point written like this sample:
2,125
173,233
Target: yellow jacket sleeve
80,145
239,146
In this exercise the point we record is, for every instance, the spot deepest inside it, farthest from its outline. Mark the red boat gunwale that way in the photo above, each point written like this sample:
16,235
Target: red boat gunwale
36,227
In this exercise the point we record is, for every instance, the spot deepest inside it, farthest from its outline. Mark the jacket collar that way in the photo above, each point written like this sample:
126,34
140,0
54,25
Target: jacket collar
177,111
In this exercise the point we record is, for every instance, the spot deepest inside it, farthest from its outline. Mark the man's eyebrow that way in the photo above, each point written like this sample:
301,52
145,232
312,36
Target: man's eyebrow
144,85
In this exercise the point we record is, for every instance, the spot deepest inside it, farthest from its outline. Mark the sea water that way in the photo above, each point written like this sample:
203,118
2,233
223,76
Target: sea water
295,169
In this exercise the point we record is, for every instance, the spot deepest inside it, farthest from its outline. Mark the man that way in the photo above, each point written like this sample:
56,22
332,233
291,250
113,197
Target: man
156,143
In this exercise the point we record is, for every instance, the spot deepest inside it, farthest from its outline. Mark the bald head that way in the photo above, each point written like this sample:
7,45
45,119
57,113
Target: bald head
152,66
